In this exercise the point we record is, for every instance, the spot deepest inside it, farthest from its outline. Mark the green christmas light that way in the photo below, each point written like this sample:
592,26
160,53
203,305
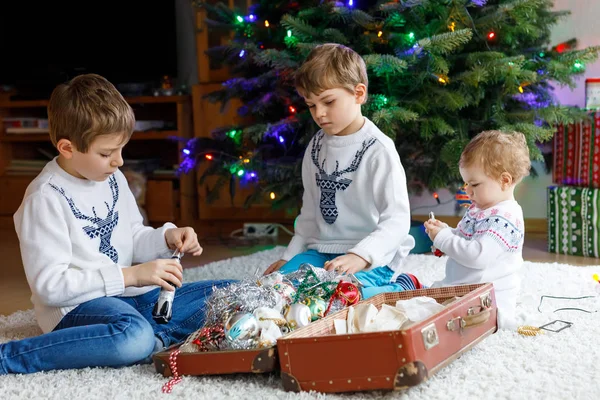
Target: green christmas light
240,19
240,172
578,66
542,54
289,33
411,36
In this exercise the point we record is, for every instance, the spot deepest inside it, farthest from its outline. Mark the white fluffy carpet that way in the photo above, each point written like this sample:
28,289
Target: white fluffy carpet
506,365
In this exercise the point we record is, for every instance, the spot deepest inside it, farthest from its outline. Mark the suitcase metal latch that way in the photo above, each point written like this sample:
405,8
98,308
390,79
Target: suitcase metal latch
430,336
456,324
486,300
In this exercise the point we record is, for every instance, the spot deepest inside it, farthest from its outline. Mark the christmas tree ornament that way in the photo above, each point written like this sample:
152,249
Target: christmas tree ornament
298,315
462,198
271,279
317,307
347,292
269,335
528,330
264,315
286,291
208,339
241,326
436,252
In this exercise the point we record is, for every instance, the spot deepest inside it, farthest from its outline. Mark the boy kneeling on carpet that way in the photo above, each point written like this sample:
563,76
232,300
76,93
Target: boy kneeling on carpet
355,216
80,230
487,244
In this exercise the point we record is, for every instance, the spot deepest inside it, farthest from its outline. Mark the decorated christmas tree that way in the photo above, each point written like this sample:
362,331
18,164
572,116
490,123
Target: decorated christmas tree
440,71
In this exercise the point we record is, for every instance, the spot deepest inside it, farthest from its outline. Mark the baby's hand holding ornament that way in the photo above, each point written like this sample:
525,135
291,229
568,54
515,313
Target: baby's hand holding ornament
437,226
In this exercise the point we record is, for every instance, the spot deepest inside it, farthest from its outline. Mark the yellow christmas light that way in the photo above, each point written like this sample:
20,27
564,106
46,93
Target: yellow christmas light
267,24
452,26
272,196
379,34
520,89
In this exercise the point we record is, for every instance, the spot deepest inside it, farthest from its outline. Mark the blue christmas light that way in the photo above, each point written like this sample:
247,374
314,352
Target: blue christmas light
186,152
252,174
281,139
242,53
350,3
251,17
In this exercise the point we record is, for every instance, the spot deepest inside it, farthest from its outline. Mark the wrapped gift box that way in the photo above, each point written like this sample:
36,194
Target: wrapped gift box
577,154
573,220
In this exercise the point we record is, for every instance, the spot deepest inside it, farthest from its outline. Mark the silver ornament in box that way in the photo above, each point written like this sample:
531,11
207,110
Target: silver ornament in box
241,326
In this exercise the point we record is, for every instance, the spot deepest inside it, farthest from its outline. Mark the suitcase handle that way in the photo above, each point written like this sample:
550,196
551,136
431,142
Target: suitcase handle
474,318
477,318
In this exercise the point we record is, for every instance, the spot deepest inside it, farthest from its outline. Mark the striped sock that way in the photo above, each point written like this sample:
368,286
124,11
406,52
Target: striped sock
408,282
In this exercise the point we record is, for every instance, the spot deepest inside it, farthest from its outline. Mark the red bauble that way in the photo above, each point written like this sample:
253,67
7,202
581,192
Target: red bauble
347,292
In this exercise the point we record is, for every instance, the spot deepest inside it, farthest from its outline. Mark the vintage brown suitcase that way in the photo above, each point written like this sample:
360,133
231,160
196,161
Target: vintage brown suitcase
218,362
315,358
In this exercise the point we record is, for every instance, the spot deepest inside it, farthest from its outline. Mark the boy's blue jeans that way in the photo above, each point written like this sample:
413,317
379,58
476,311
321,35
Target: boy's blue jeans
109,332
375,281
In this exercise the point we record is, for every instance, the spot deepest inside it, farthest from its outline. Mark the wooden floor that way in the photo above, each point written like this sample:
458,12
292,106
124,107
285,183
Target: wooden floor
15,293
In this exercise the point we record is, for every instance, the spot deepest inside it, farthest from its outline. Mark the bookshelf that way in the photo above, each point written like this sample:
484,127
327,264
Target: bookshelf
155,153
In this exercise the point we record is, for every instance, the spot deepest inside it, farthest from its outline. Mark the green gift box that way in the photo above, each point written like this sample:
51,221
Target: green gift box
574,221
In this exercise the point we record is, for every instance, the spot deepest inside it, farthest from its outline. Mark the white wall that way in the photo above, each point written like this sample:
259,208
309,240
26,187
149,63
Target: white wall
583,25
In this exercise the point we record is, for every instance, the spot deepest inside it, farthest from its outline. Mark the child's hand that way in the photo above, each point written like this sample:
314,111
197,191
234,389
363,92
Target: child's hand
347,264
274,267
183,239
433,227
158,272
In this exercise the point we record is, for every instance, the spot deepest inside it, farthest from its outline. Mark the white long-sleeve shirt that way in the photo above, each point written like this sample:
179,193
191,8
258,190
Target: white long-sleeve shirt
75,237
486,246
355,199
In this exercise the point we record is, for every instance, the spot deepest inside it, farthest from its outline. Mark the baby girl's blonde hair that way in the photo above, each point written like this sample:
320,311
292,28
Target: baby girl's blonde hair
498,152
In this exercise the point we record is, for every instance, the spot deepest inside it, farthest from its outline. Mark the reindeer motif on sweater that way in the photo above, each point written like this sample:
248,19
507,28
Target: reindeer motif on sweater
331,183
102,227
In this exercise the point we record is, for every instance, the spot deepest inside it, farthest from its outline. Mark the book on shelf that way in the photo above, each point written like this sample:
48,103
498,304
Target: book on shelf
149,125
26,130
25,122
25,167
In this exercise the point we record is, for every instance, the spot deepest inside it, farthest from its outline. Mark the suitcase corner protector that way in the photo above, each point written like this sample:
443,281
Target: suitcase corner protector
161,366
410,374
265,361
290,383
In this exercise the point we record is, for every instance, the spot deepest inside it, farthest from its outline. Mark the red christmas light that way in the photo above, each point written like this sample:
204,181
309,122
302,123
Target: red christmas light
209,156
292,109
562,47
491,35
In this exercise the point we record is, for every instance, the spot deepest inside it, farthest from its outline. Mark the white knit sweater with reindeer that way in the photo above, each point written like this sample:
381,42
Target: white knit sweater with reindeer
76,235
355,199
